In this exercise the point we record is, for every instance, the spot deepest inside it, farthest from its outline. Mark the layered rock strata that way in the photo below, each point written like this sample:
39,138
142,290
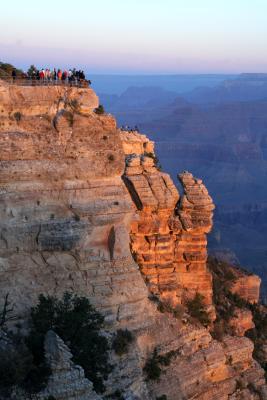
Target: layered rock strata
168,239
67,207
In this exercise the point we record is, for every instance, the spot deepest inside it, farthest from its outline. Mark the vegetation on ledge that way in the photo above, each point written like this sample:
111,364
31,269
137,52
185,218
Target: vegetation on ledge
22,362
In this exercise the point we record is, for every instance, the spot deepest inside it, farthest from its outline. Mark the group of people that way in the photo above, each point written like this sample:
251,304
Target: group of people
48,75
127,128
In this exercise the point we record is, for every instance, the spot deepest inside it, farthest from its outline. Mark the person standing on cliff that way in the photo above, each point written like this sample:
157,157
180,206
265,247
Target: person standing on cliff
59,74
14,74
70,75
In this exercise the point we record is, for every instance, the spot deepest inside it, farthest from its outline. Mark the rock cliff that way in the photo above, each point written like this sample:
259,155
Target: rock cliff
67,379
168,239
85,208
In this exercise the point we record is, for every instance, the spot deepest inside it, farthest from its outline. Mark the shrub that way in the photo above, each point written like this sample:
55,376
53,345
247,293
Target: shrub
155,158
152,368
162,397
229,275
117,395
17,115
122,341
100,110
78,324
19,368
196,309
237,301
166,307
77,217
15,365
111,157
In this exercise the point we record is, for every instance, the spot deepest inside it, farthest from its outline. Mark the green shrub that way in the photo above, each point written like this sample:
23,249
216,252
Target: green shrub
162,397
196,309
122,341
78,324
100,110
236,300
152,368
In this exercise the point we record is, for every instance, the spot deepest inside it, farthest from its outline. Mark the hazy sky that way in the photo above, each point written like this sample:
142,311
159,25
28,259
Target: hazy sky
141,36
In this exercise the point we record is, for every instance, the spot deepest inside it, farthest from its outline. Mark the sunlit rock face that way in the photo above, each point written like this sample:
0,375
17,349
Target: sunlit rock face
38,100
168,239
75,216
247,287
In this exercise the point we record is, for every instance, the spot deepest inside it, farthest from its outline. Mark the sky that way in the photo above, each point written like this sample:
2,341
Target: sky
136,36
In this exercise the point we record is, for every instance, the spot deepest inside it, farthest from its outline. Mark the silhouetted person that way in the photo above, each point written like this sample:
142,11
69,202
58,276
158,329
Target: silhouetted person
14,74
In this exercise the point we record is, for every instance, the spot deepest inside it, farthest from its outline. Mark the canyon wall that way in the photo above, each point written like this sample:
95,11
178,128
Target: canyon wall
85,208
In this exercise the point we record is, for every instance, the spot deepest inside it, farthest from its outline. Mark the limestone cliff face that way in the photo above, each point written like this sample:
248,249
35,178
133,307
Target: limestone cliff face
74,216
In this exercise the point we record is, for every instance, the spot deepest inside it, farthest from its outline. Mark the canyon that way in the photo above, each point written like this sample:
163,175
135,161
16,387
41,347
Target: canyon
85,208
219,134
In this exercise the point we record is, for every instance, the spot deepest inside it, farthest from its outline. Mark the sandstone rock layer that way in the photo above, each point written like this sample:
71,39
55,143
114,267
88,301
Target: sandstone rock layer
168,239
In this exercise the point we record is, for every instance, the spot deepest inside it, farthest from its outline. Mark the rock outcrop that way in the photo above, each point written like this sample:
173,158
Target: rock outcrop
168,239
67,381
247,286
74,216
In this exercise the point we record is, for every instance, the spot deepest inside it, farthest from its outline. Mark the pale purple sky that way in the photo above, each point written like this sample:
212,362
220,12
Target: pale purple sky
137,36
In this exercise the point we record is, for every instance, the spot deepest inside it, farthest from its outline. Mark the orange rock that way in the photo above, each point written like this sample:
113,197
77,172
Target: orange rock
241,322
171,235
247,287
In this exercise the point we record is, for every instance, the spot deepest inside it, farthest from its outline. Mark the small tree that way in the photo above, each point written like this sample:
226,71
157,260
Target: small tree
196,309
100,110
78,324
122,341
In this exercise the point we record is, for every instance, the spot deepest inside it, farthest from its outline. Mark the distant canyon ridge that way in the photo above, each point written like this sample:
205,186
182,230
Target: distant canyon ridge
216,127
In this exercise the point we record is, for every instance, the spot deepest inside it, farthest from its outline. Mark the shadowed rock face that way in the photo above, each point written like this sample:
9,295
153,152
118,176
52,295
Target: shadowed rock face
73,215
67,380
